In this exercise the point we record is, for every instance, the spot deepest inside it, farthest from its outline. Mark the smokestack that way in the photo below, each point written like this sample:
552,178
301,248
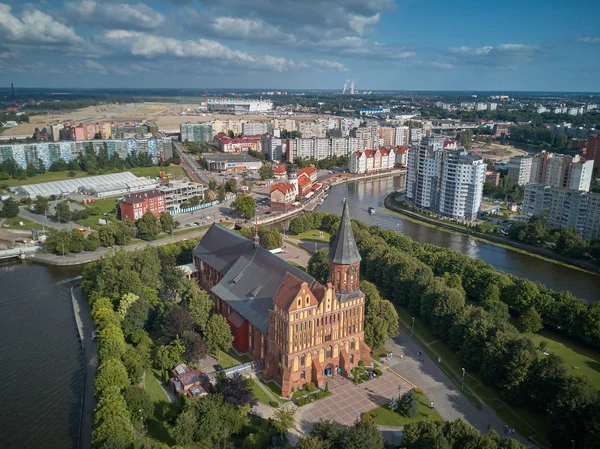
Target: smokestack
12,87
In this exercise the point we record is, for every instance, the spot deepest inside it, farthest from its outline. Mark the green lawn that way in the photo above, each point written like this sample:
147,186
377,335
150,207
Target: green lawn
226,361
243,358
385,417
297,265
420,328
105,205
314,236
579,359
153,388
44,177
153,172
92,221
379,352
275,389
13,223
261,396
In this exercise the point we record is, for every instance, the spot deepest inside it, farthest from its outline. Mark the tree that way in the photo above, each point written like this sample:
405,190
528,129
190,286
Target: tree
195,347
194,201
136,317
63,212
180,322
92,242
106,235
311,443
235,390
218,334
111,342
284,419
110,373
266,172
245,206
221,193
77,241
212,184
31,171
198,302
530,321
124,231
408,405
136,362
112,419
137,399
170,355
148,226
387,311
271,239
376,332
318,266
570,243
364,434
10,208
231,185
329,431
41,205
167,223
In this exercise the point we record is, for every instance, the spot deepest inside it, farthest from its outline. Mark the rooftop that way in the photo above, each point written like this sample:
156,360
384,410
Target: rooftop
135,198
282,187
229,157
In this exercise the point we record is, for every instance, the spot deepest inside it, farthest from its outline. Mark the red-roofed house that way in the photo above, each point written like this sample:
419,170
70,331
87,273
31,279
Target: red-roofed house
238,144
282,196
187,381
304,184
449,145
280,172
311,172
368,161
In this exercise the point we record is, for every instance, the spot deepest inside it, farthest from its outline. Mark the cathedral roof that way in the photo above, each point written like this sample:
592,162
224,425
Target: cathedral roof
344,250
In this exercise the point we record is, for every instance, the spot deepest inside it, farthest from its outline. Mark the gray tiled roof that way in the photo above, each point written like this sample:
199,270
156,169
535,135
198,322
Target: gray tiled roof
344,250
251,276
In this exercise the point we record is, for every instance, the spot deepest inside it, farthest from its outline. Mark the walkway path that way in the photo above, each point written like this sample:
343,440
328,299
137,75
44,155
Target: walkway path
411,362
85,328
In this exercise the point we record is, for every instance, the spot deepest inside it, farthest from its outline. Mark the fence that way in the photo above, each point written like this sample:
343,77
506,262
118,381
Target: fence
200,206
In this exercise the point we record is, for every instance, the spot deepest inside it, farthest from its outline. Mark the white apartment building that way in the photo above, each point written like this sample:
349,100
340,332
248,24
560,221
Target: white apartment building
492,106
559,170
447,182
370,161
519,169
579,176
317,129
481,107
255,128
347,124
566,208
402,135
323,148
273,147
416,134
55,130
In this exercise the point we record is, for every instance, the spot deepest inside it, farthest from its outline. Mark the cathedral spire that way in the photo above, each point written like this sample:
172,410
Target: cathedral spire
344,250
256,236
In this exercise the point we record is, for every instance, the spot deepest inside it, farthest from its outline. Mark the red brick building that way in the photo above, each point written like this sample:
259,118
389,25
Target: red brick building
311,172
593,150
134,206
282,196
492,176
304,184
301,330
187,381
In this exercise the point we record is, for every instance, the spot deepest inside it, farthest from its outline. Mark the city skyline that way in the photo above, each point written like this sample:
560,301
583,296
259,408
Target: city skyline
382,45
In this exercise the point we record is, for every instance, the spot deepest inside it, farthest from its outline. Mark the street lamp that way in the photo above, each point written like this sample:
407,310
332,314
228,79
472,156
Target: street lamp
463,379
412,327
142,420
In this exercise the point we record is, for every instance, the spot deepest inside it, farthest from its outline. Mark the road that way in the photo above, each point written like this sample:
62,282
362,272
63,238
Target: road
191,165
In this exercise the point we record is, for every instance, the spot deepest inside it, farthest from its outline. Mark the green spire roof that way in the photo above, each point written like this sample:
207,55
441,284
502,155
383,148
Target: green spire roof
344,250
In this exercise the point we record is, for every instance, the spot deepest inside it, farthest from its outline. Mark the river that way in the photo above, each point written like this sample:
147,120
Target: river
41,358
364,194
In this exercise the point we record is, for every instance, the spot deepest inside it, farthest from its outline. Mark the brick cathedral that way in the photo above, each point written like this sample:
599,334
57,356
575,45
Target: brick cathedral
302,330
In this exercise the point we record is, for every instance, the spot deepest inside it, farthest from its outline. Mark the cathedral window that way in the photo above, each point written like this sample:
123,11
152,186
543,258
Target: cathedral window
302,360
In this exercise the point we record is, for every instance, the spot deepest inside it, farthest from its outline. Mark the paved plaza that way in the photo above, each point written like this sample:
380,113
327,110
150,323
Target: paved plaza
348,401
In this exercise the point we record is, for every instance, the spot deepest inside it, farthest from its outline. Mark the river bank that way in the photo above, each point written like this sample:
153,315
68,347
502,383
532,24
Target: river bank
533,251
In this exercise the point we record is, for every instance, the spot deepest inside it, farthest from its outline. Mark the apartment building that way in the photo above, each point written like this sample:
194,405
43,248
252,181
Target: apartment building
323,148
519,169
49,152
387,136
178,191
566,208
492,176
134,206
592,152
559,170
372,161
402,135
446,181
401,155
416,134
309,130
196,132
256,128
129,131
273,148
238,144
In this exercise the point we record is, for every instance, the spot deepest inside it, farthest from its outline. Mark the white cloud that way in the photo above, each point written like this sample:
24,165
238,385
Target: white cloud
96,67
471,51
34,28
589,40
151,46
114,15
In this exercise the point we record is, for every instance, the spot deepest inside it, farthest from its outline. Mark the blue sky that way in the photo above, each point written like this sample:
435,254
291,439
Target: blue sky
302,44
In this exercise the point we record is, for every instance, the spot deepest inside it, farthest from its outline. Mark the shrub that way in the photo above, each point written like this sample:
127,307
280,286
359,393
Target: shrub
418,391
361,363
310,387
378,372
273,403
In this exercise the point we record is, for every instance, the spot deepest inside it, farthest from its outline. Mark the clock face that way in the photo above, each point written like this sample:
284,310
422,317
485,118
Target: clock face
352,270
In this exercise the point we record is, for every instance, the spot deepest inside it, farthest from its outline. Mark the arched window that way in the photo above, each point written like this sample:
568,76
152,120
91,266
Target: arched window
307,300
352,345
299,302
302,360
328,352
351,358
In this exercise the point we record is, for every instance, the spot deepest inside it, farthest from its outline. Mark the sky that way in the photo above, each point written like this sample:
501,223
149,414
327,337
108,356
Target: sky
507,45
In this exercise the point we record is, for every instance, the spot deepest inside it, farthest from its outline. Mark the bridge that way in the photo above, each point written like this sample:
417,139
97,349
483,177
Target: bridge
22,252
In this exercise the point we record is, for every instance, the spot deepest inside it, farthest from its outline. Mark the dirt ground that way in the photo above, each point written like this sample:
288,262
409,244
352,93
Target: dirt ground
495,151
165,115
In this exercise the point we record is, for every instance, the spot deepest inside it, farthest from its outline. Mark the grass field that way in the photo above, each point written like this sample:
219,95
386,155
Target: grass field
226,361
579,359
13,223
314,236
385,417
105,205
153,172
261,396
44,177
153,388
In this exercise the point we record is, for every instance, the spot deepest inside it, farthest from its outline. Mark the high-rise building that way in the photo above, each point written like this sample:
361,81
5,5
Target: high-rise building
559,170
256,128
387,136
447,182
196,132
416,134
519,169
566,208
402,135
129,131
273,148
332,146
593,150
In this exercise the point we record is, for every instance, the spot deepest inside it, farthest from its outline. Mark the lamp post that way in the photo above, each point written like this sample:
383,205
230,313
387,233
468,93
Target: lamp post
142,420
412,327
463,379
